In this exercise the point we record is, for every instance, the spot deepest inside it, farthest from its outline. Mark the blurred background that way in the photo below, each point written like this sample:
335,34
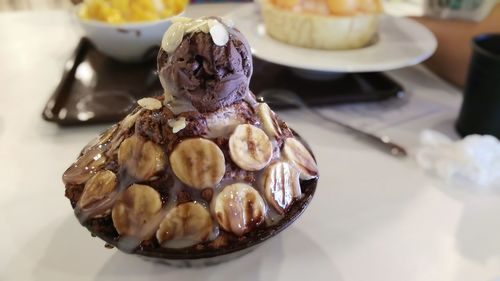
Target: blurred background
13,5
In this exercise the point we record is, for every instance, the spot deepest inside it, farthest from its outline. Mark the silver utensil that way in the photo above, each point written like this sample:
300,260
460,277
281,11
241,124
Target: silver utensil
288,97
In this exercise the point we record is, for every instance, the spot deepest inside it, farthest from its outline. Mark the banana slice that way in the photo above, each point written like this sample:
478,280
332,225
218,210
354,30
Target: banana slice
299,156
185,225
268,120
134,213
250,148
281,185
97,188
198,163
129,121
239,208
85,166
96,153
141,158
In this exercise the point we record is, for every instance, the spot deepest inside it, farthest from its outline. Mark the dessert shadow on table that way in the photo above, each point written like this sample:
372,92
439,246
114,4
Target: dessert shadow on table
264,263
59,253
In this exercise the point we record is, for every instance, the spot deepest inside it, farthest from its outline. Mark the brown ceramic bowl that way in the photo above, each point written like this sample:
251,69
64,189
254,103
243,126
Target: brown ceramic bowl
203,254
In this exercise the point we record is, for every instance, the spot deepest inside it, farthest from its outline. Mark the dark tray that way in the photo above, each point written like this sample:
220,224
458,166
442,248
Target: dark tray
97,89
332,88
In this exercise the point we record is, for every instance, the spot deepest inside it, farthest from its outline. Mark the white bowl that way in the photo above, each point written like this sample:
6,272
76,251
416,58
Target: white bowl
129,42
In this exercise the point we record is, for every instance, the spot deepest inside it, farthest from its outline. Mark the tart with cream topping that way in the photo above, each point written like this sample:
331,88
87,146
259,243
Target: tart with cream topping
322,24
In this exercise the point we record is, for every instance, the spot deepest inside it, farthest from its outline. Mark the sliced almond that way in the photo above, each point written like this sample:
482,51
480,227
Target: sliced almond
150,103
218,32
177,124
141,158
281,185
197,25
268,121
299,156
134,213
250,148
198,163
173,37
239,208
185,225
97,188
129,121
101,140
123,128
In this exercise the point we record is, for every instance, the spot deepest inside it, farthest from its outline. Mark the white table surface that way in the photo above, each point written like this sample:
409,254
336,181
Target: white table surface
373,217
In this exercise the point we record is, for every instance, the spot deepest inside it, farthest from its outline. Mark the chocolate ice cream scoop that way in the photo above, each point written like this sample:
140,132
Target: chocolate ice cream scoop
206,62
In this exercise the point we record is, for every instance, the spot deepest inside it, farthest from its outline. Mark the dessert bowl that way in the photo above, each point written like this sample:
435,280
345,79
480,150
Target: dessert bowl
127,42
202,174
206,254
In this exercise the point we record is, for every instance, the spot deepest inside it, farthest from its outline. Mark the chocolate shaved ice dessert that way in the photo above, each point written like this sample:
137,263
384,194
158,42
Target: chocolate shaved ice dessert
199,169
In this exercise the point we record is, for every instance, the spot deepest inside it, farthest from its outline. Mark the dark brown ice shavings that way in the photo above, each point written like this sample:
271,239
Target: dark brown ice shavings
163,185
112,166
183,197
285,132
221,241
153,125
151,243
73,192
196,125
207,194
233,172
247,113
223,144
102,226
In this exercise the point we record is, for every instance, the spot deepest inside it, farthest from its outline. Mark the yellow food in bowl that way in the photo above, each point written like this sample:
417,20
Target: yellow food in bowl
124,11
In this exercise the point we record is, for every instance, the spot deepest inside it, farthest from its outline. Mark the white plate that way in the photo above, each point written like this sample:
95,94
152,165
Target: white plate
402,42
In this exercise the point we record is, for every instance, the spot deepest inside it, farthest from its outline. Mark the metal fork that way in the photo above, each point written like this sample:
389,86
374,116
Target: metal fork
288,97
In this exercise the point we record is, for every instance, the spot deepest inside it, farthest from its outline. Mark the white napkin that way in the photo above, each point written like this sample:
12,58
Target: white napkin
474,159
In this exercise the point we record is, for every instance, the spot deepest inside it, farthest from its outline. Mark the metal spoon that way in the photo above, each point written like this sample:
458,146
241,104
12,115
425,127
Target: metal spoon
288,97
